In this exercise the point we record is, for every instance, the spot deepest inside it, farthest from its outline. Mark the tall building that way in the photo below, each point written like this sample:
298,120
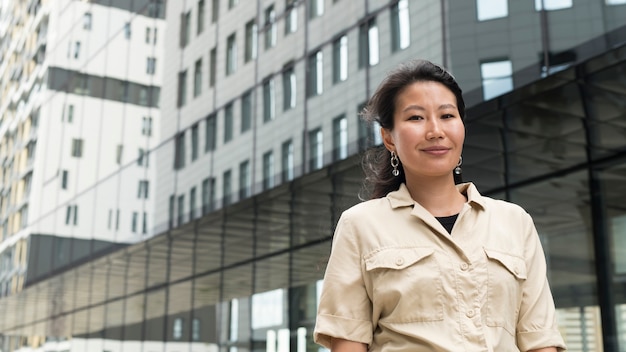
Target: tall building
260,148
80,87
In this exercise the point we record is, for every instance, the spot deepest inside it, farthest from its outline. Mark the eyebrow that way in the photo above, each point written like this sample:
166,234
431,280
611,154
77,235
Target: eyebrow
417,107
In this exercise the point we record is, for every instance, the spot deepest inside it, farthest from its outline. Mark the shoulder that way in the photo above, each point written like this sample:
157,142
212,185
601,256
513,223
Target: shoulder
365,212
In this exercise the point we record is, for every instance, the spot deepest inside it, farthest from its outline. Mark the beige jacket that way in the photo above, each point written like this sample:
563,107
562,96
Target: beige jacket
397,281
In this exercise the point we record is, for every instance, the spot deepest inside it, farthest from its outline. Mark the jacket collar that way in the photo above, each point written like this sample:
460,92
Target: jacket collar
402,197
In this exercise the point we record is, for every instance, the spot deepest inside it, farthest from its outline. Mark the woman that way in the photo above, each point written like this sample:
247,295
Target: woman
427,265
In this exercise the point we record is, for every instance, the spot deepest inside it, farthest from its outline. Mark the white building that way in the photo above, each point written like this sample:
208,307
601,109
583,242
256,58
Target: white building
80,89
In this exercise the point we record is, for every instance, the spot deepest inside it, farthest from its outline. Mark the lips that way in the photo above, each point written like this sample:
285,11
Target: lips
436,150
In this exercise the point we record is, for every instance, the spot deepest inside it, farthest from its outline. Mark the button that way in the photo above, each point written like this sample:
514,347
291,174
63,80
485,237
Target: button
464,266
470,313
399,261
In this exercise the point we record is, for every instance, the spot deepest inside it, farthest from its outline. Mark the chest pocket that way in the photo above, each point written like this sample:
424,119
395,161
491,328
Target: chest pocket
406,284
507,273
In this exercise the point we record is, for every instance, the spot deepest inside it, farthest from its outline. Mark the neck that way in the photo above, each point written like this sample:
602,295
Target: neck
437,195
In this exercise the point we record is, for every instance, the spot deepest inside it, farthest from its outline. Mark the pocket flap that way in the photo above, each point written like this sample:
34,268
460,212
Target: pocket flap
396,258
513,264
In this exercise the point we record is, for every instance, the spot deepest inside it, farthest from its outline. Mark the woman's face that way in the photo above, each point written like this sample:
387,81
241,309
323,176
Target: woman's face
428,132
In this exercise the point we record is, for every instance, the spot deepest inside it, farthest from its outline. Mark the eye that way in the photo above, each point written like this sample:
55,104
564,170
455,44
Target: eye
415,117
448,116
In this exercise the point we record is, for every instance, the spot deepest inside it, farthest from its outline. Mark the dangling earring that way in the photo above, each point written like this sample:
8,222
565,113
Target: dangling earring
394,163
457,169
457,173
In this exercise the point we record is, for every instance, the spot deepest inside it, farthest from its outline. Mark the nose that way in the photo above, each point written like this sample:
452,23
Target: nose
434,129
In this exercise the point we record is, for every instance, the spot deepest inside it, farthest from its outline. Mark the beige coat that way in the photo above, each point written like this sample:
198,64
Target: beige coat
397,281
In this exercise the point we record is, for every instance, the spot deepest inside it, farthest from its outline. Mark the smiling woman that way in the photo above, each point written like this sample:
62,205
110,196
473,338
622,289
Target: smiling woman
426,264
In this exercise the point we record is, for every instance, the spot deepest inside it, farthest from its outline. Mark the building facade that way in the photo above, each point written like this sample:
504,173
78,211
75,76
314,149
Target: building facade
79,110
260,149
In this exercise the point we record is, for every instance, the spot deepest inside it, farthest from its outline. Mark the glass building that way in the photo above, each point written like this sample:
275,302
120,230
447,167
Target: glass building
260,155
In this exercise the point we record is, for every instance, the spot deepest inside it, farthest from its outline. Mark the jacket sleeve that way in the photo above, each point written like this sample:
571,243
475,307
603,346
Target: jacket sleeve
536,325
344,308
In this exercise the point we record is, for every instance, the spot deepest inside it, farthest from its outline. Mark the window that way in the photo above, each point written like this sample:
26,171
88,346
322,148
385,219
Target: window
197,78
70,113
340,59
87,21
289,88
497,78
287,161
133,226
77,147
192,203
194,142
368,44
155,9
228,123
71,215
316,8
291,17
491,9
226,187
215,11
118,154
182,88
232,3
315,79
369,134
251,41
615,2
268,170
154,38
195,329
181,210
245,181
185,25
127,30
340,138
150,65
231,55
200,15
550,5
76,49
400,26
142,189
270,27
211,130
142,159
246,111
171,209
269,110
212,66
208,195
179,151
144,224
316,149
64,179
148,30
146,126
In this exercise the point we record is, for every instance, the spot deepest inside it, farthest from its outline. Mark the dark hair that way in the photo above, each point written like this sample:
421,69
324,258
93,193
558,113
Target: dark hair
376,162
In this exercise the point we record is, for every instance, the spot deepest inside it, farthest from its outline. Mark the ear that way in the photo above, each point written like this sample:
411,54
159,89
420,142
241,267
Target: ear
388,140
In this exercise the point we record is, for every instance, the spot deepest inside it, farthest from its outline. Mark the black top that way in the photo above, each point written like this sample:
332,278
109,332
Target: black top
448,221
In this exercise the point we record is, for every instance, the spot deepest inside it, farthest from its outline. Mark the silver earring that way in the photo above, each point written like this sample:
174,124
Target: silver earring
457,169
394,163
